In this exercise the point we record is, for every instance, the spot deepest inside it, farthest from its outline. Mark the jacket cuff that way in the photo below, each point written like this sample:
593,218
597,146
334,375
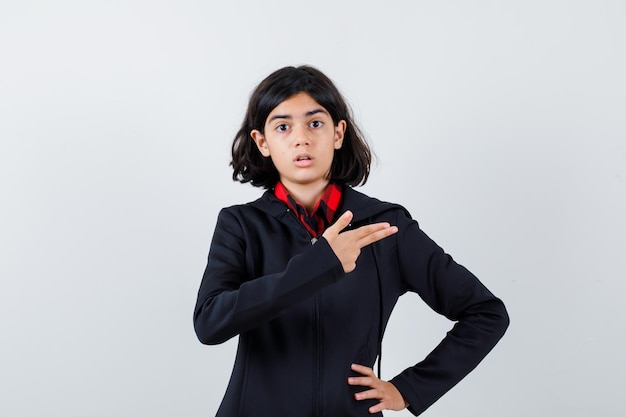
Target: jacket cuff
329,256
416,406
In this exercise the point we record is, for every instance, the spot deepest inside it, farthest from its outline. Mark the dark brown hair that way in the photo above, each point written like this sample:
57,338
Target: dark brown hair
351,163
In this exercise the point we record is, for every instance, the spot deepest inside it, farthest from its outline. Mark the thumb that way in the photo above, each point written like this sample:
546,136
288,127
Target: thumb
342,222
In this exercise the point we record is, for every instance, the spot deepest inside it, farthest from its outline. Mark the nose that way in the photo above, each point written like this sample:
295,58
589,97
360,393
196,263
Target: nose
301,135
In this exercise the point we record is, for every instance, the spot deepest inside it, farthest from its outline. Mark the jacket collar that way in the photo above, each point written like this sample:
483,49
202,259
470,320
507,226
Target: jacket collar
361,205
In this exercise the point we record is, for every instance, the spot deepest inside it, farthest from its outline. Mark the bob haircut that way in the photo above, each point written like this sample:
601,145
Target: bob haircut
351,163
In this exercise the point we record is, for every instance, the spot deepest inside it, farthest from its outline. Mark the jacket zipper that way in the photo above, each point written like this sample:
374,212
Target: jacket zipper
317,342
317,360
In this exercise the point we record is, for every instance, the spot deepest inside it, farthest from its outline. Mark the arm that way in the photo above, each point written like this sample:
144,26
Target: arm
230,302
451,290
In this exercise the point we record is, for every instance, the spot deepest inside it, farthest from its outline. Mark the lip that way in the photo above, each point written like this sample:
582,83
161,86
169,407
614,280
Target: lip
302,155
303,160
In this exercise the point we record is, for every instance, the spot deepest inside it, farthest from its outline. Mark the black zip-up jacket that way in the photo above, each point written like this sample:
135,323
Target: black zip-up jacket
302,321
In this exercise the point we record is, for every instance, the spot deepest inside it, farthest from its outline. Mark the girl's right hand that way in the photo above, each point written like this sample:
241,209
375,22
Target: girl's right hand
347,245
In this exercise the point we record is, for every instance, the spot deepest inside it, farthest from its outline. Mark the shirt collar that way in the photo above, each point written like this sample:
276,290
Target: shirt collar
323,213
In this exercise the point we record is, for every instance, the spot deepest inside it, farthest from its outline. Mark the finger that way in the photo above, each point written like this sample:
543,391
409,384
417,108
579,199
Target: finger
369,229
362,369
376,235
368,395
342,222
363,381
377,408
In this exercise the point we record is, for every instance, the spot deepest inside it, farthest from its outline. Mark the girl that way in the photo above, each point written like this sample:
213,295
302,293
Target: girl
308,274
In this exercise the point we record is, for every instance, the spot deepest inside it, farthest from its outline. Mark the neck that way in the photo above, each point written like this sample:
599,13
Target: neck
306,194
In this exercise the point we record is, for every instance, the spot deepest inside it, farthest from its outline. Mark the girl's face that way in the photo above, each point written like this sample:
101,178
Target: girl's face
300,137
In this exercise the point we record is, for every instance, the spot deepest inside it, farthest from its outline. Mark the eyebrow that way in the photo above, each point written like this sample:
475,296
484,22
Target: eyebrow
307,114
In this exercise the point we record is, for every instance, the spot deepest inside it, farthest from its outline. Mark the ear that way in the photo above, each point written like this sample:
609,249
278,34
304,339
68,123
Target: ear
340,130
261,142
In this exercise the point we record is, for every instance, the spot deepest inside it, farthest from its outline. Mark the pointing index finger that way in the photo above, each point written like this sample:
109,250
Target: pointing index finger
374,232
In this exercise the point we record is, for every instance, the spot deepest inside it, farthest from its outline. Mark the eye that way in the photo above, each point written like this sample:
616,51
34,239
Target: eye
316,124
282,127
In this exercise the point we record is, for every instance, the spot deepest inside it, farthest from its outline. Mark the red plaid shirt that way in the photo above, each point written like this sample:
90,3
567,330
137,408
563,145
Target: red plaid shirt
323,213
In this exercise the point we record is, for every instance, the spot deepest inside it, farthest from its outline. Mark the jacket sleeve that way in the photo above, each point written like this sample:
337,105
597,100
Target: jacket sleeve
231,302
450,289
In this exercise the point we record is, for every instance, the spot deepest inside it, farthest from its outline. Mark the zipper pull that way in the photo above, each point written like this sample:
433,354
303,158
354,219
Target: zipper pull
313,241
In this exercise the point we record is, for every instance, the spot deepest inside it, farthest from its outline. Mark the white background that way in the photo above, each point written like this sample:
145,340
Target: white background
499,125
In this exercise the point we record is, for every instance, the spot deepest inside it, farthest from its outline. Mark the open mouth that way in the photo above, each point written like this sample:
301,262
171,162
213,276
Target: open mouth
303,160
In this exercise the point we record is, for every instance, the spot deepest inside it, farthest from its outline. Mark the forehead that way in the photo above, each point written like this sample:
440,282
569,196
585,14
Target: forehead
298,105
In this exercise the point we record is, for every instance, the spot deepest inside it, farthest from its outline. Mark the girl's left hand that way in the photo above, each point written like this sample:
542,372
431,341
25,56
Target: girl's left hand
388,395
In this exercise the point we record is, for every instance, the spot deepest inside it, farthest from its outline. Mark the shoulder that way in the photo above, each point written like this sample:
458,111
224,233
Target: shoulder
254,211
364,206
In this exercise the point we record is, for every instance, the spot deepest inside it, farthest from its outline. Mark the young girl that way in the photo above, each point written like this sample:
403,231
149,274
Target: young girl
308,274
